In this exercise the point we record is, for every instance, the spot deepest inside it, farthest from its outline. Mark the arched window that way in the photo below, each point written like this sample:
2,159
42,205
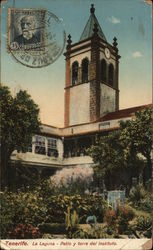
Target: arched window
111,74
85,64
75,73
103,69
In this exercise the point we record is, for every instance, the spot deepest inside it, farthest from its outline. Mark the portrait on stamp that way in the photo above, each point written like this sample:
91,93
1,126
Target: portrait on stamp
28,24
26,29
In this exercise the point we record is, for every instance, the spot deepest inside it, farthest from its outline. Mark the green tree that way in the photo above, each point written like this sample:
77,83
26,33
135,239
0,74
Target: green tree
136,137
19,122
110,162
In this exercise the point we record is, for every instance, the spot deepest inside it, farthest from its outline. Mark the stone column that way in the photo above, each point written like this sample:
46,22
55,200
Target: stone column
95,77
60,148
33,144
116,74
67,81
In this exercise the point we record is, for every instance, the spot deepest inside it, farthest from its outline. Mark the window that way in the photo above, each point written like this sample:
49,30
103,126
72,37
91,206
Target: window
40,145
52,147
111,74
46,146
85,70
75,73
103,69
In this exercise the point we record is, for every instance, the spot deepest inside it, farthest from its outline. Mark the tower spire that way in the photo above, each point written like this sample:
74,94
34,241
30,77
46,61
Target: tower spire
92,9
88,30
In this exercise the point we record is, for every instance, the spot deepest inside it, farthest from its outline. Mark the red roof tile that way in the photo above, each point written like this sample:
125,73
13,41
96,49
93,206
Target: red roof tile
123,113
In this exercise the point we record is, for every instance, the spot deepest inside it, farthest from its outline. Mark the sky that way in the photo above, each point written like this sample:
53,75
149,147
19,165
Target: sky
129,20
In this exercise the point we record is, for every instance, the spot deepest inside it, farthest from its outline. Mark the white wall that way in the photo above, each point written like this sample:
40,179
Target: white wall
37,159
79,57
107,99
79,104
46,161
74,161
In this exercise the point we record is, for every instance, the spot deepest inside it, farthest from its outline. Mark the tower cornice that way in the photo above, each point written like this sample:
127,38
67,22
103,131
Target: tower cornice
87,43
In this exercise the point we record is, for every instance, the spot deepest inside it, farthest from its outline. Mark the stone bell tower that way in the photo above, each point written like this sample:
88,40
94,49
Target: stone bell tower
92,68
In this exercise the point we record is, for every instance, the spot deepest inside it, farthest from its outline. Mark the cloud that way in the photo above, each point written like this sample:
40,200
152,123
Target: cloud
114,20
137,54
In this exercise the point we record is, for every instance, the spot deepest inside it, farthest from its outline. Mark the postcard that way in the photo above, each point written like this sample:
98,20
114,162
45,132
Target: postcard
76,124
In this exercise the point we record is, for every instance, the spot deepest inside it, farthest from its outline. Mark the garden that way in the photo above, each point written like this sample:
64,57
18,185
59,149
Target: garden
73,203
61,207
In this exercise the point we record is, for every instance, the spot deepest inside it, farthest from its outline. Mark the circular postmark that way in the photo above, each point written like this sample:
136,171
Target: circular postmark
38,38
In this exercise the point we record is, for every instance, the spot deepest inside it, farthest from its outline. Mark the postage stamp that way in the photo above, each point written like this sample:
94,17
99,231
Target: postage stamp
36,37
26,29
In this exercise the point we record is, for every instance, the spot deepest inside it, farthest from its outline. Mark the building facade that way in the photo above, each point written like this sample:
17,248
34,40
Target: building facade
91,103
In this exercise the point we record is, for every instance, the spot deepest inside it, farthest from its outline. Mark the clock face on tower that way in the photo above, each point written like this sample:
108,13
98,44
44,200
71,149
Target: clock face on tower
107,53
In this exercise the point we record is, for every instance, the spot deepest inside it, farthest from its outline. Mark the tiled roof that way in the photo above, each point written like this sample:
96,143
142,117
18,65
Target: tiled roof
123,113
88,30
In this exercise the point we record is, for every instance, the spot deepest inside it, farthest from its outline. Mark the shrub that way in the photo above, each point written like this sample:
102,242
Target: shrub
37,207
96,206
118,221
29,207
143,223
142,226
7,215
21,208
110,216
137,194
80,234
141,199
73,180
26,231
84,206
124,215
95,232
146,204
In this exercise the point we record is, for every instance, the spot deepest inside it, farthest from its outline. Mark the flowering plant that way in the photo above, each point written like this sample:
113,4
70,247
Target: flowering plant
26,231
